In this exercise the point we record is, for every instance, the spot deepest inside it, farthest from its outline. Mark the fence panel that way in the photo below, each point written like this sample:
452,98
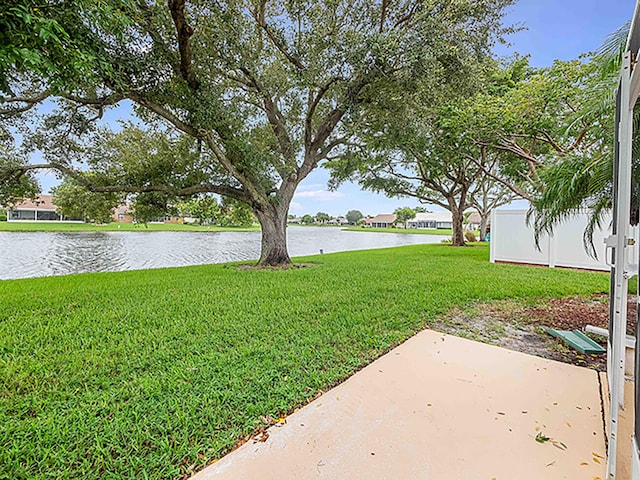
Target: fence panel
512,240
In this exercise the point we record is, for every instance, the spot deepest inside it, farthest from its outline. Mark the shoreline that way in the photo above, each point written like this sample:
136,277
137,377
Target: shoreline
56,226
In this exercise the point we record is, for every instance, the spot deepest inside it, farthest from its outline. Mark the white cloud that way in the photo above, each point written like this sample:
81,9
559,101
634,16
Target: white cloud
322,195
295,207
303,188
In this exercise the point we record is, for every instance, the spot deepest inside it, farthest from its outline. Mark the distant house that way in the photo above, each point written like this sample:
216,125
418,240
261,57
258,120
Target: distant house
122,214
295,220
383,220
431,220
42,209
338,221
171,219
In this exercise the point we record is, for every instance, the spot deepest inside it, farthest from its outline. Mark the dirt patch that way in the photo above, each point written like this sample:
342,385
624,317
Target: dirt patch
293,266
522,327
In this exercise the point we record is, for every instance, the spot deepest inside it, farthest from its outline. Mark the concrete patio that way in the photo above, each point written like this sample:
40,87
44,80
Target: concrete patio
439,407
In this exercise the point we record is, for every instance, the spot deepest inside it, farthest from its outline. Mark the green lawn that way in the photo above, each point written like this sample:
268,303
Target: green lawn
441,231
144,374
111,227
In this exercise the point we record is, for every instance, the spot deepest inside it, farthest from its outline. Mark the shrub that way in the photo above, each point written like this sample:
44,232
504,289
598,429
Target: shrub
469,235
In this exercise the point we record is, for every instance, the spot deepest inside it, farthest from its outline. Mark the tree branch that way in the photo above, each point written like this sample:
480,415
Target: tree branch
259,17
225,190
313,105
511,187
164,113
29,102
277,122
184,32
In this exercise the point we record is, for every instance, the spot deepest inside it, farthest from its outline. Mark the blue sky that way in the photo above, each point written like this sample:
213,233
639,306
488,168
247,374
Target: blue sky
556,29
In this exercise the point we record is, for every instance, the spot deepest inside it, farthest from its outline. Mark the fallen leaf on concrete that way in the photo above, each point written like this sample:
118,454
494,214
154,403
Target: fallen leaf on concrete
558,445
541,437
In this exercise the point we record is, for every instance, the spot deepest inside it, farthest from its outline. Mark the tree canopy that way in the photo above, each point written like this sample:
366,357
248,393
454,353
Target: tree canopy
267,90
586,181
75,201
404,214
420,150
353,216
512,136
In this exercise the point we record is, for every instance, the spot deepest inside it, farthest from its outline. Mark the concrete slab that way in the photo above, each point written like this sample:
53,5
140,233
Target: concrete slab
438,407
625,427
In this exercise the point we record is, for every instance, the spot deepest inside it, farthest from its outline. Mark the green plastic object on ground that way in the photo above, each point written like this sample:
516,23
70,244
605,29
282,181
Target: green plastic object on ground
577,340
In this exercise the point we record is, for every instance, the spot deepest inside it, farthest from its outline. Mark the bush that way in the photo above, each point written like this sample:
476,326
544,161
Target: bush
3,216
470,236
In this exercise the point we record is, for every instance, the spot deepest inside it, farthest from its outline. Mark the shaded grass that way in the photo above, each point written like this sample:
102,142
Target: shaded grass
147,374
112,227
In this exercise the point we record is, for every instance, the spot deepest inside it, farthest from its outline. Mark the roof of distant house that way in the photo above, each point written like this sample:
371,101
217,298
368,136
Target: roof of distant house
122,210
41,202
383,218
474,218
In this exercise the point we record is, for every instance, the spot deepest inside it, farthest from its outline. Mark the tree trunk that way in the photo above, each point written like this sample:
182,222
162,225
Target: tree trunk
458,229
484,221
274,252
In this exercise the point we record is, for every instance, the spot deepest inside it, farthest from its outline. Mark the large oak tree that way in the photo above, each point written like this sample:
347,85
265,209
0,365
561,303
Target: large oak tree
267,89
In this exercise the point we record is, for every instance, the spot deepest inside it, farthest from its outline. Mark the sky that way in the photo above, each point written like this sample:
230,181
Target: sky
555,29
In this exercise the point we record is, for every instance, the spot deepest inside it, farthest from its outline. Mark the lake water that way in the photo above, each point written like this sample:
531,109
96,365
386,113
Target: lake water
38,254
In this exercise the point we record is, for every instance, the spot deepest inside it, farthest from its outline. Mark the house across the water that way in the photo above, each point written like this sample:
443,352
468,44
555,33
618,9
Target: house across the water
40,209
383,220
122,214
431,220
43,209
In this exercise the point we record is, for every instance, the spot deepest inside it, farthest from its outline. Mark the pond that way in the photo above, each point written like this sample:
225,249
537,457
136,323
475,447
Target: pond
38,254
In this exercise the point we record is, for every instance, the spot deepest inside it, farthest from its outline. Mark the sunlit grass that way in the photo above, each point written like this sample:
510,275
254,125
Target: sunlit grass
421,231
143,374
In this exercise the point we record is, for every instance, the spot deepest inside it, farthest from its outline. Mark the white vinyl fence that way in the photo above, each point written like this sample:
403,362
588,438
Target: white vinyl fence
512,240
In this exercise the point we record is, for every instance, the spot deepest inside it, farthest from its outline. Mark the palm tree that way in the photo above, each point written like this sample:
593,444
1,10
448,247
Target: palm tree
582,182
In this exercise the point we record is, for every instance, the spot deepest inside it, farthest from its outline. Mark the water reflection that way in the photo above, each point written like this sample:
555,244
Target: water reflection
37,254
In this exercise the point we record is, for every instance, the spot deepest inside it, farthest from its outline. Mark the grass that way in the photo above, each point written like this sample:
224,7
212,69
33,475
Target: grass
152,374
111,227
421,231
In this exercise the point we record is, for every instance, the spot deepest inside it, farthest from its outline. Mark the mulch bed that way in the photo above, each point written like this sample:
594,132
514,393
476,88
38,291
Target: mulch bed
522,327
575,313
